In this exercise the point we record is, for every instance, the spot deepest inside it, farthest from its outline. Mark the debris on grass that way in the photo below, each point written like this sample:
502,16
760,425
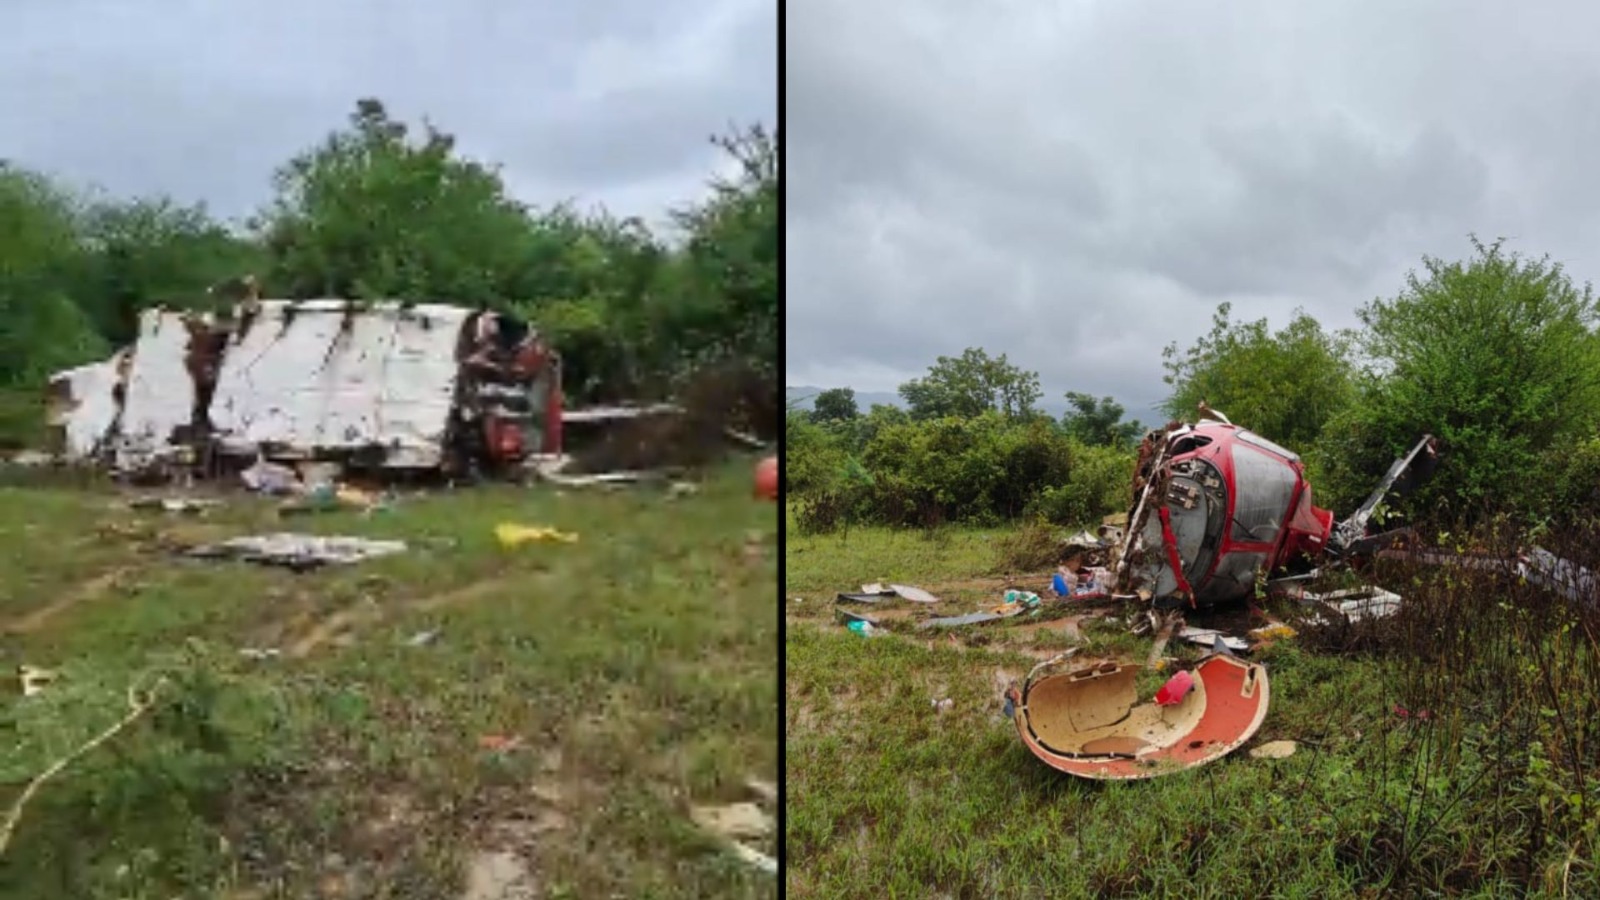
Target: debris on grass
34,679
272,479
734,824
260,653
876,590
424,638
299,552
914,594
1089,722
1176,688
845,617
1274,750
512,535
1209,637
955,621
1361,603
767,478
1272,632
185,505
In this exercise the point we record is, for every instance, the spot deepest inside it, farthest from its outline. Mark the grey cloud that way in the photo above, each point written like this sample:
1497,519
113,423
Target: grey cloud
1079,184
608,102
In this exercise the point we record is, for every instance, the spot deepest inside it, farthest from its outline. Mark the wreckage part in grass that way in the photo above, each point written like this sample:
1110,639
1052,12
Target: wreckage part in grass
1089,722
298,551
511,535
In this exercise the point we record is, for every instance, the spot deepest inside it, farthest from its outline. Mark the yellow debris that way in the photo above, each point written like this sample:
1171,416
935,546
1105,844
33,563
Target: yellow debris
513,535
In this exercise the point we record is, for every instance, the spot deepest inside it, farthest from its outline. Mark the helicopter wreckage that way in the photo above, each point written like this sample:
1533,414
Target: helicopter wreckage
1218,513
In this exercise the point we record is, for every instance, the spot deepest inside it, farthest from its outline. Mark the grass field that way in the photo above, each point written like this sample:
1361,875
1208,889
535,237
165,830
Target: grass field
577,699
889,796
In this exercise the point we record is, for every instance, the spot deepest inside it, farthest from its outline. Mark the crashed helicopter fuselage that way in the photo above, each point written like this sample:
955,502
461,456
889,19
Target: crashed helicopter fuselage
1218,509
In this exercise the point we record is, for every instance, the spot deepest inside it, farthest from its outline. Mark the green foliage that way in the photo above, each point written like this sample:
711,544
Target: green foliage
1099,484
149,252
1496,356
971,384
1282,385
378,210
41,328
917,473
834,404
372,214
1098,423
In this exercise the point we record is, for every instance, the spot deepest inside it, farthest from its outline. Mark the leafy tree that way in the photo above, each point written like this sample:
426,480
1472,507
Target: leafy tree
834,404
148,252
372,214
1284,385
971,384
1497,356
1098,423
727,305
42,327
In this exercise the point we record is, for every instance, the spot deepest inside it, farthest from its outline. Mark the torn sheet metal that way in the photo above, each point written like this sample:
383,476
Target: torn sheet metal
1568,579
1208,637
914,594
392,384
83,406
298,551
158,404
1089,722
1357,604
323,374
976,618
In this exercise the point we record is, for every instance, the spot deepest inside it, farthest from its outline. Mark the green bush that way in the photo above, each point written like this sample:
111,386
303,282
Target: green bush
1099,485
979,470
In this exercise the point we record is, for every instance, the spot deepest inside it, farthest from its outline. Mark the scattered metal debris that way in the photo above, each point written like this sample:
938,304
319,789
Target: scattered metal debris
1208,637
845,617
186,505
1361,603
424,638
298,551
34,679
260,653
914,594
956,621
1089,723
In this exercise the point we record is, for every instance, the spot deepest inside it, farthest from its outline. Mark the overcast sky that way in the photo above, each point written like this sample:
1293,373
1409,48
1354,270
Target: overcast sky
605,101
1079,183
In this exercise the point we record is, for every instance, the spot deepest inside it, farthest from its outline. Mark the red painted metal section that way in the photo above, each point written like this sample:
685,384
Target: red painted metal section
1236,698
1173,561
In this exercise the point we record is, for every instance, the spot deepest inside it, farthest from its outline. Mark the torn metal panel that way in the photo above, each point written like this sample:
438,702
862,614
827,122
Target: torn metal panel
1566,578
1089,722
1361,603
328,376
158,404
299,551
83,406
